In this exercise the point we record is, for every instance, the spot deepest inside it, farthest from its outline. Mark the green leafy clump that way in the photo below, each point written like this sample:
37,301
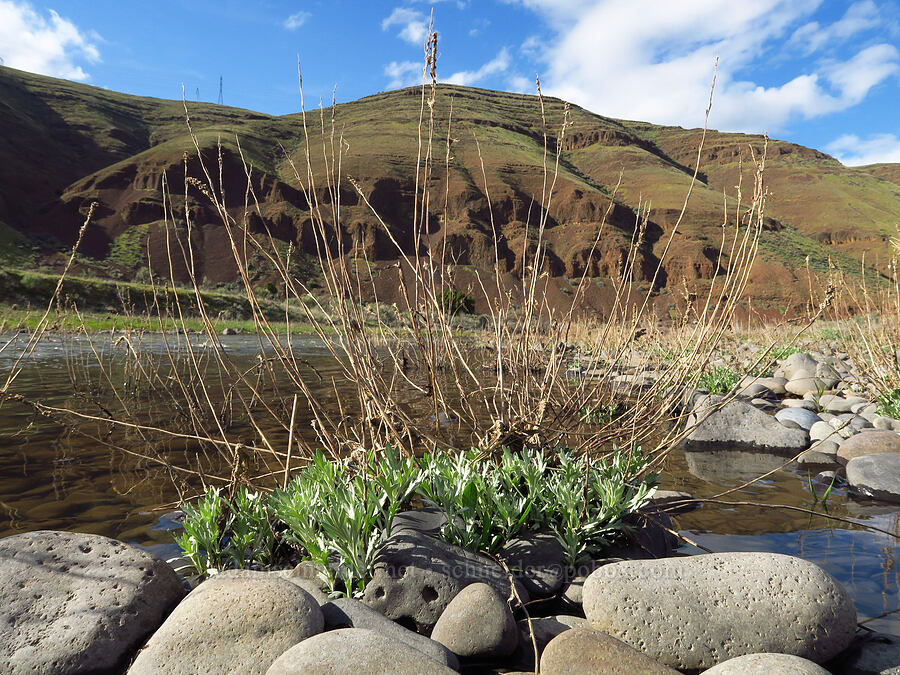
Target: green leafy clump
219,533
719,380
580,501
454,302
889,404
338,518
338,514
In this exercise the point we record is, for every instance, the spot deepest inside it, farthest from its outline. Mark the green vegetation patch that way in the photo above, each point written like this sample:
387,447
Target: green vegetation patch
719,380
889,403
15,247
128,248
338,513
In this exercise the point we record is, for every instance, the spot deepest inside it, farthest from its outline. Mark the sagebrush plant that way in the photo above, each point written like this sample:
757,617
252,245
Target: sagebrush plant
338,514
221,533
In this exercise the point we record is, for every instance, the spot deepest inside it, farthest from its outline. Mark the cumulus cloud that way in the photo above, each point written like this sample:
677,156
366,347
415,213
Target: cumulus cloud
403,74
48,45
413,25
294,21
654,61
852,150
498,64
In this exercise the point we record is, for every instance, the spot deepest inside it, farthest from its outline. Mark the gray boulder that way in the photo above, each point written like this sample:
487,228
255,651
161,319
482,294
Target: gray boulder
572,595
868,443
806,384
876,476
78,602
416,577
767,664
350,651
797,418
350,613
234,622
545,628
477,624
740,426
823,431
835,404
695,612
584,650
797,361
824,453
537,562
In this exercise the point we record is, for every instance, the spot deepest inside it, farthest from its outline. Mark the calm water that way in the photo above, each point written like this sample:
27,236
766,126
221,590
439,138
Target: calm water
52,477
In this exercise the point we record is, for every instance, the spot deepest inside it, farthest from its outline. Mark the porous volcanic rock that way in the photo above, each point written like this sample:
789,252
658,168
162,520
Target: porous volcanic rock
349,651
876,476
74,602
698,611
537,562
477,624
351,613
232,623
767,664
868,443
584,650
416,576
740,426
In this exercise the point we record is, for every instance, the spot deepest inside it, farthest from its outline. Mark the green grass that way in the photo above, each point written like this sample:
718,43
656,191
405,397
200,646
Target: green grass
889,404
719,380
13,319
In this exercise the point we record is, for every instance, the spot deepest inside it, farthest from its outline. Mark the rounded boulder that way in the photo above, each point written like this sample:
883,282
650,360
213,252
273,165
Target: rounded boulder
74,602
355,650
232,623
695,612
477,623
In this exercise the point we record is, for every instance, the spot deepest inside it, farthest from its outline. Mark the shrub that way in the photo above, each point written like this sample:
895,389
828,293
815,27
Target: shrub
339,514
454,302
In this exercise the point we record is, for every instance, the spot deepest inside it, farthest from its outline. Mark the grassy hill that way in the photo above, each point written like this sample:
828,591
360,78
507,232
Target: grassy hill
65,145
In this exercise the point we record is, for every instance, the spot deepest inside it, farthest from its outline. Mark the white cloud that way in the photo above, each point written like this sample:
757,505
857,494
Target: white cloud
653,61
852,150
859,16
294,21
413,25
47,45
855,77
498,64
403,74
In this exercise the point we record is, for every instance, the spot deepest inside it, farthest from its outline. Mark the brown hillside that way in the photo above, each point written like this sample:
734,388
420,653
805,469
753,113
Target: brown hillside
65,145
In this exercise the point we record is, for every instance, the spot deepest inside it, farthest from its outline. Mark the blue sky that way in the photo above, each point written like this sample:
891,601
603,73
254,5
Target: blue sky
821,73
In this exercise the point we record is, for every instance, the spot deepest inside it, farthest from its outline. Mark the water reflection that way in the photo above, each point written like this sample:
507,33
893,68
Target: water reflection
864,561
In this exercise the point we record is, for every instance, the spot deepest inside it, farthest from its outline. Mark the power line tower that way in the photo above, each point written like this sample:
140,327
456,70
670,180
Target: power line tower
221,100
197,94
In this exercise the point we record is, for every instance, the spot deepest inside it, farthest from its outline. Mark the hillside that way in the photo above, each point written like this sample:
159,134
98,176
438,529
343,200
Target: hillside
65,145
